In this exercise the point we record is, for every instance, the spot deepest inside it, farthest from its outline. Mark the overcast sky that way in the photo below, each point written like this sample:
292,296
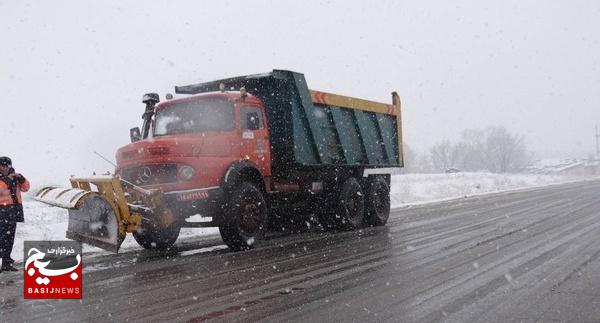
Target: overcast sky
73,73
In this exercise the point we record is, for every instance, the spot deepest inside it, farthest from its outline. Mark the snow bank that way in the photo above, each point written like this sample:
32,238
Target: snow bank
423,188
44,222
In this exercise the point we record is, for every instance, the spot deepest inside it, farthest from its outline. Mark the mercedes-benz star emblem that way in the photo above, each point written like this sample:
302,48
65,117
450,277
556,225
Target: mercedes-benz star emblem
144,174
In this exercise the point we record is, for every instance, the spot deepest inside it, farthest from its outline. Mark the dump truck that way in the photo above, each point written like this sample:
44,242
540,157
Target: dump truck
244,154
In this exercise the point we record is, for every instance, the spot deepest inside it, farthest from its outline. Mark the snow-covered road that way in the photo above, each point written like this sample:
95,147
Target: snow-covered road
49,223
527,255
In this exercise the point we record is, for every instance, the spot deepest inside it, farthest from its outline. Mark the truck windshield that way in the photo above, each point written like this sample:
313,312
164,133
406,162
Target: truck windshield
194,116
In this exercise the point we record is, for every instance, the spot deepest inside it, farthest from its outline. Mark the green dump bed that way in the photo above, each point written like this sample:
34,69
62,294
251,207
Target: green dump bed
312,128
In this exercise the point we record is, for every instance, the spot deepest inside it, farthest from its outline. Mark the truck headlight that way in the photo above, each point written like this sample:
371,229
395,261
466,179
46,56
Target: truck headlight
186,173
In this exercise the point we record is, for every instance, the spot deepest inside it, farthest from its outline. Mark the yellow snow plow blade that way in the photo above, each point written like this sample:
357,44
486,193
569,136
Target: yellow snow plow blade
99,214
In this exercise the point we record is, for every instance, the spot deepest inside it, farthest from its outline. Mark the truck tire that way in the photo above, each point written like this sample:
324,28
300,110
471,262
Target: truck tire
348,209
246,218
377,204
152,236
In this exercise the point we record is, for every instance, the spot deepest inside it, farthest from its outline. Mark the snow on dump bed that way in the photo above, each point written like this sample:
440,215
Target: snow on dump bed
43,222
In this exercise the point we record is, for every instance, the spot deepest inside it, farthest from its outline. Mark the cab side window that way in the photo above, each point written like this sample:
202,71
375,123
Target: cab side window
251,118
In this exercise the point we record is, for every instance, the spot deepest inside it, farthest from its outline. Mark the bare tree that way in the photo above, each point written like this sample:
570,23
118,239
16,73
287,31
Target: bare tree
493,149
505,152
416,162
471,150
443,155
410,159
425,163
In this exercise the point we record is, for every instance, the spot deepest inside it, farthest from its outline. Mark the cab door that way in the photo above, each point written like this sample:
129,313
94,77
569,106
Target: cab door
255,138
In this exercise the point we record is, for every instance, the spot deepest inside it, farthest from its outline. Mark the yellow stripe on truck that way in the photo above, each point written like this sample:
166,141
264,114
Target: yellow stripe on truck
319,97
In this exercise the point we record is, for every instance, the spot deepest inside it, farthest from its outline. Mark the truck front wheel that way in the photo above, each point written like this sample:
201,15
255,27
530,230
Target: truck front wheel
245,220
378,202
151,235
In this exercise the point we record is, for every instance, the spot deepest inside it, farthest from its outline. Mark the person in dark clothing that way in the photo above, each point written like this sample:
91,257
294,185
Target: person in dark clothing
11,209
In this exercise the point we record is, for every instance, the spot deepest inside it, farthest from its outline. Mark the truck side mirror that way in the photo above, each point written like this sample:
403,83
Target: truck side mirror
135,134
252,121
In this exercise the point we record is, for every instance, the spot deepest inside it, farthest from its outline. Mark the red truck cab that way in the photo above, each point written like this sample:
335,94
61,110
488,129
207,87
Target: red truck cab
191,147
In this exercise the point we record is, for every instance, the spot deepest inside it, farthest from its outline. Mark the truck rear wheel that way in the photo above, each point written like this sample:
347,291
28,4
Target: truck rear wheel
153,236
246,218
348,209
377,205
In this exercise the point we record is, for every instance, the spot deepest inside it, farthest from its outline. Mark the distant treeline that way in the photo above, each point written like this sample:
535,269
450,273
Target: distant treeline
493,149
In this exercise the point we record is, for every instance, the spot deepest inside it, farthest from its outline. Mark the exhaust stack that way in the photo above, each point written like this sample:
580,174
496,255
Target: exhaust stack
150,99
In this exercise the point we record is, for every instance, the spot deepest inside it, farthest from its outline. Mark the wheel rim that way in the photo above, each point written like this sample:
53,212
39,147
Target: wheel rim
250,217
379,202
353,205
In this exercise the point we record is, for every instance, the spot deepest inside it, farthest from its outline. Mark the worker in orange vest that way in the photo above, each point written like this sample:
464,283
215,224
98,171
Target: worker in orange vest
11,209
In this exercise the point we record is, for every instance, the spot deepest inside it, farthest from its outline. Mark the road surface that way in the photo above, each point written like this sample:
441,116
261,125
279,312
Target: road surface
530,255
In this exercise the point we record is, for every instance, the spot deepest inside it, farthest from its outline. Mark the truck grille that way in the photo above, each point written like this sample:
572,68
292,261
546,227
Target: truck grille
150,174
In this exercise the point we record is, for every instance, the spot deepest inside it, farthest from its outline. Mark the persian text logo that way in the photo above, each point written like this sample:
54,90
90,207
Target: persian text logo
53,269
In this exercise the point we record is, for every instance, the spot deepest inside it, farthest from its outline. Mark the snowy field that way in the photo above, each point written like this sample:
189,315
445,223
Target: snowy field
44,222
425,188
